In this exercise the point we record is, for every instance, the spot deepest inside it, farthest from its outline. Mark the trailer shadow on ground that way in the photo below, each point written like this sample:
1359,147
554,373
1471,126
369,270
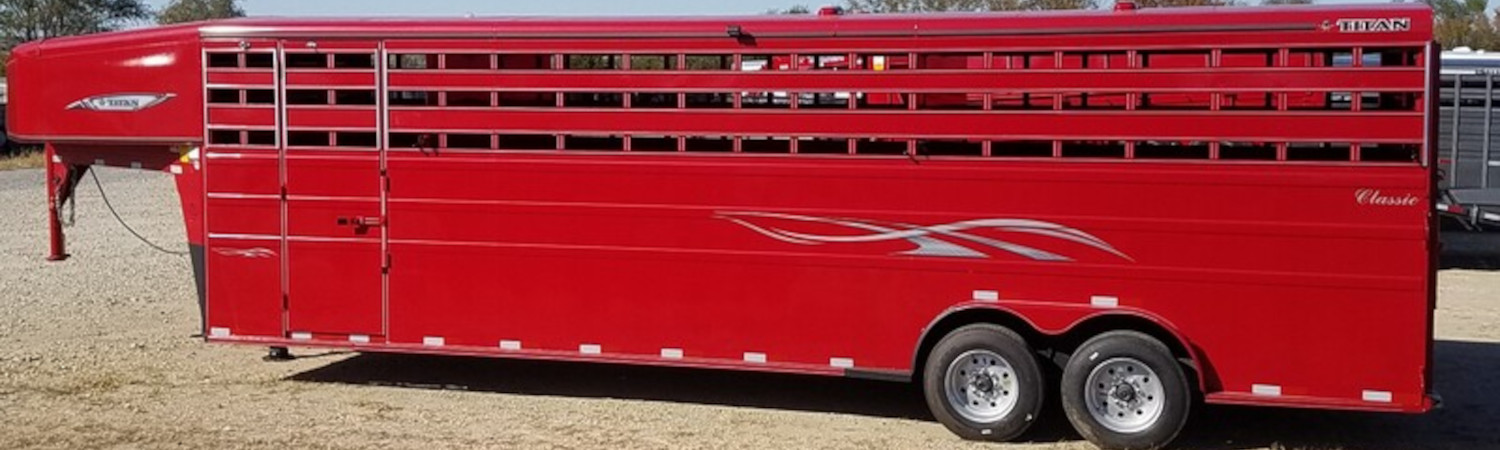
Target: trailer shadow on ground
1464,375
1470,250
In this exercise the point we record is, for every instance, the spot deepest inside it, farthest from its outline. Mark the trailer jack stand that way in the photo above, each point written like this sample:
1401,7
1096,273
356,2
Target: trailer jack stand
61,179
279,354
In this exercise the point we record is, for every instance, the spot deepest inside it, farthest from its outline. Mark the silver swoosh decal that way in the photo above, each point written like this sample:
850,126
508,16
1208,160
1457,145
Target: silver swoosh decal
942,240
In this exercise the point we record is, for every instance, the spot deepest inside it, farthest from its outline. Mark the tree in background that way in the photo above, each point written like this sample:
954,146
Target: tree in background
919,6
1463,23
883,6
1181,3
29,20
878,6
797,9
180,11
1060,4
1459,23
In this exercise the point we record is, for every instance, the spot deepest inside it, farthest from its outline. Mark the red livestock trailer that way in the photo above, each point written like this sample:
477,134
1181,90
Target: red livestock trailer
1232,204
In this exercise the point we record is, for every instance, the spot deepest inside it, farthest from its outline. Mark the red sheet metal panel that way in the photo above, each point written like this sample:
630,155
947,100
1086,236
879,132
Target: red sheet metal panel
242,117
256,173
143,86
1204,259
241,78
334,286
331,78
244,215
334,256
244,286
327,118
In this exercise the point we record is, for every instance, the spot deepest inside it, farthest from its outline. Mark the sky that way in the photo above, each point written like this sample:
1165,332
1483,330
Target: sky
515,7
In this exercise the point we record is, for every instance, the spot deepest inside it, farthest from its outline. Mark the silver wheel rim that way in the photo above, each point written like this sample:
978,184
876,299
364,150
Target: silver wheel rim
981,386
1124,395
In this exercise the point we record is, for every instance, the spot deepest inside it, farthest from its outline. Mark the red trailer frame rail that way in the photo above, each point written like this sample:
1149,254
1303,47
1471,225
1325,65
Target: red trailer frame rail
1227,202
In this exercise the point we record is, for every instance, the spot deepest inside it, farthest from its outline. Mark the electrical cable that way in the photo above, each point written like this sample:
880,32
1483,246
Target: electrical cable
132,231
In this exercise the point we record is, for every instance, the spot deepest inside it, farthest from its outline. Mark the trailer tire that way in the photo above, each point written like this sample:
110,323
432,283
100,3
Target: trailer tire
1123,390
982,382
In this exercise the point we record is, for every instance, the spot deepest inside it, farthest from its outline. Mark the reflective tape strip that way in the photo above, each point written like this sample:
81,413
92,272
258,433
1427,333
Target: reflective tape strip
1269,390
1376,396
175,169
135,164
589,349
218,332
97,162
671,353
510,345
986,296
302,336
1104,301
56,159
758,358
842,363
359,338
433,341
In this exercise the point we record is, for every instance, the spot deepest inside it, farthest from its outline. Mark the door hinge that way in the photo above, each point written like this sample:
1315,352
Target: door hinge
387,267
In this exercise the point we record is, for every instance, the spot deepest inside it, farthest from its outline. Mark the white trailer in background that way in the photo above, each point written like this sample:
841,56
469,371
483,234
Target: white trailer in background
1468,136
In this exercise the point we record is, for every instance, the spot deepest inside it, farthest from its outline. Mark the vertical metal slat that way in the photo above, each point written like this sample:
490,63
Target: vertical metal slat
1458,101
1489,109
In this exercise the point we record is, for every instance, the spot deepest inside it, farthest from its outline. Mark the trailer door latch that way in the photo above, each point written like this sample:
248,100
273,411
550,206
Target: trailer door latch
360,221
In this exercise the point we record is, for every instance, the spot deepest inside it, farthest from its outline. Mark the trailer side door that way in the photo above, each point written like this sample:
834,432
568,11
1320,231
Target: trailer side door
334,206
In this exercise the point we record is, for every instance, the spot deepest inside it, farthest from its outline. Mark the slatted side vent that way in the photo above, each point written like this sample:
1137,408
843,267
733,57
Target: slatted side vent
923,148
332,97
241,97
738,82
1228,84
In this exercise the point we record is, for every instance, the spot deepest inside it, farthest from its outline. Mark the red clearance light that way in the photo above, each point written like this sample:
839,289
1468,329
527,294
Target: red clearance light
831,11
1125,5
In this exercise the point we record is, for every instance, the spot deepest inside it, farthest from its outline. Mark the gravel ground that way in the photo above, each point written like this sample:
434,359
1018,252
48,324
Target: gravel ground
99,351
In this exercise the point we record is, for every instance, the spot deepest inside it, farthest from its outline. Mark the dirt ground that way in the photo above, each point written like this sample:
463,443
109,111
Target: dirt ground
99,351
